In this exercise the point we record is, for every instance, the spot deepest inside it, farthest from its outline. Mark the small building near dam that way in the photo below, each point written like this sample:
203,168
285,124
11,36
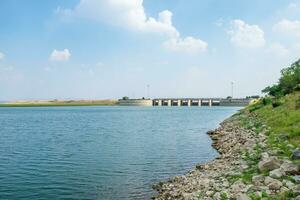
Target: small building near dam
135,102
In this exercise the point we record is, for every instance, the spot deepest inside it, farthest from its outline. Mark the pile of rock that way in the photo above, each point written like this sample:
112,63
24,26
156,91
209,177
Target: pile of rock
215,179
278,181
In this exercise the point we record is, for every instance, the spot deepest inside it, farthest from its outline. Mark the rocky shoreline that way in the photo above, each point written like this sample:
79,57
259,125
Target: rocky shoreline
245,169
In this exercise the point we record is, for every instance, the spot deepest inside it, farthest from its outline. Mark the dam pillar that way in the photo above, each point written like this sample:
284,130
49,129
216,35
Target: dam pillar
169,103
179,102
189,102
159,102
199,102
210,103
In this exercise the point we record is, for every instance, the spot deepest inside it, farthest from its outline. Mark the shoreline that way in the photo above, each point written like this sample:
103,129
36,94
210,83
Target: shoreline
237,172
59,103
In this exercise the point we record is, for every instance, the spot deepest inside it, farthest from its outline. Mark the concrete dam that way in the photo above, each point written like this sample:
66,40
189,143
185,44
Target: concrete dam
241,102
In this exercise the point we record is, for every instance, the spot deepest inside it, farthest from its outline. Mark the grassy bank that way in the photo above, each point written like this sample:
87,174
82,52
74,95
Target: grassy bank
60,103
279,121
279,111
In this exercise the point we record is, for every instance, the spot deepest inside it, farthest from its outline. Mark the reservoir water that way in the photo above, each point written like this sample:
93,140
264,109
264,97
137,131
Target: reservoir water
100,152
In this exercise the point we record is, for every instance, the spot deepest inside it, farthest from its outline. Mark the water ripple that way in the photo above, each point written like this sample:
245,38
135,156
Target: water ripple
100,152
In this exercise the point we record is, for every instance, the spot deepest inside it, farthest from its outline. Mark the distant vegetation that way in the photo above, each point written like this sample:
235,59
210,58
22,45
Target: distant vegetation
60,103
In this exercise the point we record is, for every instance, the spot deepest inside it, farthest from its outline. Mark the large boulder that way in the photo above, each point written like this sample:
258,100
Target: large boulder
289,184
273,184
277,173
258,180
268,164
289,168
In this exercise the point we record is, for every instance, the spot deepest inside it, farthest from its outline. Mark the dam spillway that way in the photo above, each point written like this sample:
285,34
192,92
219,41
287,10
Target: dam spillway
237,102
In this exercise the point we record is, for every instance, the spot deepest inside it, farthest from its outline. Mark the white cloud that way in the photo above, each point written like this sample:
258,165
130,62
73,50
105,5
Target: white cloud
245,35
288,27
278,50
57,55
131,14
2,56
189,45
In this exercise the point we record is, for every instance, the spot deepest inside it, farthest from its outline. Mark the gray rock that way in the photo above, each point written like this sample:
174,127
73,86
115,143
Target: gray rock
272,183
275,185
276,173
209,193
269,164
296,155
289,184
264,155
258,180
258,193
217,196
238,187
241,196
296,178
297,198
268,180
284,189
296,189
289,168
225,184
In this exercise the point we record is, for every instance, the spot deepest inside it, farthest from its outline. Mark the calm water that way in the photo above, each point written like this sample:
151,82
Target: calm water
100,152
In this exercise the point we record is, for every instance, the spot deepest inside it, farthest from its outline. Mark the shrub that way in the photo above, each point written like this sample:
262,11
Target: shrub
275,90
276,103
266,101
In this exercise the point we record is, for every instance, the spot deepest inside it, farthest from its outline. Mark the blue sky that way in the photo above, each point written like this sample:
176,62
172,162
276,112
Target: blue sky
102,49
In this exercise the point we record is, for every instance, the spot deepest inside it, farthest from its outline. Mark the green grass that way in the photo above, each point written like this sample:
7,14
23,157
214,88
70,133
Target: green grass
224,196
283,121
279,119
252,161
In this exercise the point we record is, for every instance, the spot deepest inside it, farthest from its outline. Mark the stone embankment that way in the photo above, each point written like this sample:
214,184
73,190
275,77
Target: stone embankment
245,169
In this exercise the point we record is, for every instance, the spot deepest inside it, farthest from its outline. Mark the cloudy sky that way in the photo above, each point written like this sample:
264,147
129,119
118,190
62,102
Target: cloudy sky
88,49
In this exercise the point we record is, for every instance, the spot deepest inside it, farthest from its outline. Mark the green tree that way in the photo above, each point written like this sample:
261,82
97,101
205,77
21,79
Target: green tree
275,91
288,82
290,78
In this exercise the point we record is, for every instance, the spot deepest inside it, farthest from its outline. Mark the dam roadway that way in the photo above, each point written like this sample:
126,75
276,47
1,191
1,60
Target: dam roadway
241,102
